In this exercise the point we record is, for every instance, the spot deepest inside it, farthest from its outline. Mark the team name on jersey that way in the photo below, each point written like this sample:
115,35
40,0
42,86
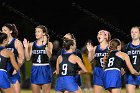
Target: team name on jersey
39,51
133,52
11,49
100,54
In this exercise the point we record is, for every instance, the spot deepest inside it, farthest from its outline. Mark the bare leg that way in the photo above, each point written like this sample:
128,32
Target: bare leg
16,87
97,89
36,88
79,90
130,88
8,90
66,92
117,90
46,88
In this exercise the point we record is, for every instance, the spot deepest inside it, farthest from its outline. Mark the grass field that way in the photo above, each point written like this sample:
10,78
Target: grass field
52,91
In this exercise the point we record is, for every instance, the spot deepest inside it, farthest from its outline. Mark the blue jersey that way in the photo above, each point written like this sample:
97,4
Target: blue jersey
66,68
4,80
11,46
67,72
10,69
134,54
99,54
39,55
98,69
113,61
3,60
78,53
41,70
112,69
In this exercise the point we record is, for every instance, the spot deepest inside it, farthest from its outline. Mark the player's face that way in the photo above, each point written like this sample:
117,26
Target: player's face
38,33
101,36
6,30
135,33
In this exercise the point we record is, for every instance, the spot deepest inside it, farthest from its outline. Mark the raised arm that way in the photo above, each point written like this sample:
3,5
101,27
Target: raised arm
28,49
49,49
91,51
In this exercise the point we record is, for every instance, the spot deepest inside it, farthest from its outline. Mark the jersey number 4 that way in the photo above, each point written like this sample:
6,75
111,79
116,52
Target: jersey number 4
39,59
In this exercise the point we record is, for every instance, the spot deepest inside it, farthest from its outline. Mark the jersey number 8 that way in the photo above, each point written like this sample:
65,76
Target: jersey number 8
111,61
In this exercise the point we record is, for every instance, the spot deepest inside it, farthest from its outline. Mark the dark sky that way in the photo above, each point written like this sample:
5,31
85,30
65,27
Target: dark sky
83,18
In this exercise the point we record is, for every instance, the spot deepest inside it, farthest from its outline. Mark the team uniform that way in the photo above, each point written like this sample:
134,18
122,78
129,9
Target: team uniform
66,79
4,80
10,69
98,69
112,74
134,54
41,70
78,53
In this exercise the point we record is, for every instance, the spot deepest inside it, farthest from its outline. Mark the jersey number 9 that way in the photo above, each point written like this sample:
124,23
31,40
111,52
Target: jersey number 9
64,68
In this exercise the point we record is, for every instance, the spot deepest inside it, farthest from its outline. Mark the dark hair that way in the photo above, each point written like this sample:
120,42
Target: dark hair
3,36
45,30
71,35
67,43
114,43
13,28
